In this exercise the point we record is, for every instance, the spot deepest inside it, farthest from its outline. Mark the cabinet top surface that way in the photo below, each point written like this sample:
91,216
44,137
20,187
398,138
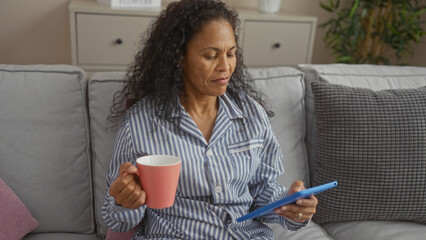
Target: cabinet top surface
244,13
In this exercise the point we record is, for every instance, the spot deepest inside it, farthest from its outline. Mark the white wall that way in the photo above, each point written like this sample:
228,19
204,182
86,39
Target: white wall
37,31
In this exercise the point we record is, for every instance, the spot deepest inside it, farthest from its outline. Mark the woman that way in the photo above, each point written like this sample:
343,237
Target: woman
186,96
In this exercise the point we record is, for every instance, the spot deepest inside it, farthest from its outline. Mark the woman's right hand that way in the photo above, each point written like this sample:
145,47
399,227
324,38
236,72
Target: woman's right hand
126,189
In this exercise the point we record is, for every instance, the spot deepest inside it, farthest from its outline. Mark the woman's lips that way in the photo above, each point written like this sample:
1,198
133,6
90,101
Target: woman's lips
221,81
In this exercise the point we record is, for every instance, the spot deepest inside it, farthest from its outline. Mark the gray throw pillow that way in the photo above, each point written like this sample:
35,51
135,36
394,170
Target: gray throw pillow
374,144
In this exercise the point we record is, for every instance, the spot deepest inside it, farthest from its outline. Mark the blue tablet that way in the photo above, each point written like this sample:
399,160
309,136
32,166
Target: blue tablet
287,200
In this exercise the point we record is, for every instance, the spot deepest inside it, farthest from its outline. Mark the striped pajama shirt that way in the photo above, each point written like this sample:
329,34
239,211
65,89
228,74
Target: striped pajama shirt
221,180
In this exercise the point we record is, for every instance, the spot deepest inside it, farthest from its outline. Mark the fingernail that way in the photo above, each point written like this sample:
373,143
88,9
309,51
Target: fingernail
299,202
283,208
277,211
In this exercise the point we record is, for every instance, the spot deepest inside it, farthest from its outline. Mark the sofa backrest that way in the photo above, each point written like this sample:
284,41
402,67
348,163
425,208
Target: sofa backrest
373,77
101,89
45,146
284,92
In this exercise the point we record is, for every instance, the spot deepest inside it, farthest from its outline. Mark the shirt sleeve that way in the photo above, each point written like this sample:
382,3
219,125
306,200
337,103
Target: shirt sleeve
264,187
120,219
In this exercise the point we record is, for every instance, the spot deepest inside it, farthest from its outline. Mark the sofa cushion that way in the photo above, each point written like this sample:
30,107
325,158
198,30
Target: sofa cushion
284,90
389,230
15,219
44,144
101,89
60,236
367,76
372,143
311,231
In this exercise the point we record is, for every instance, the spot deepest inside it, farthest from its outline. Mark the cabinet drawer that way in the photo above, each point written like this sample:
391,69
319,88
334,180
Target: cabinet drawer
105,39
268,43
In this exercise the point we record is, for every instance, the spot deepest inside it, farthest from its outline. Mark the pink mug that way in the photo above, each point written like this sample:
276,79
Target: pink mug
159,176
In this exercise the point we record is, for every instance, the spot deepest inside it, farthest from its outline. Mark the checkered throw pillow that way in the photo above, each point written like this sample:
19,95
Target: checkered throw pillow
374,144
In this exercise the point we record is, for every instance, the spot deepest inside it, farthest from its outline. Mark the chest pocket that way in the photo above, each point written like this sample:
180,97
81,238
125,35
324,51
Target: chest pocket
246,145
245,159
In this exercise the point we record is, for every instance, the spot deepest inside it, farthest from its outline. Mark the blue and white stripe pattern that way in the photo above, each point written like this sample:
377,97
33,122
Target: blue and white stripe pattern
221,180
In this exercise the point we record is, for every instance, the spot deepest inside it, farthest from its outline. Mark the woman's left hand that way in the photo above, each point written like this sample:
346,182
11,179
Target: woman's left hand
300,211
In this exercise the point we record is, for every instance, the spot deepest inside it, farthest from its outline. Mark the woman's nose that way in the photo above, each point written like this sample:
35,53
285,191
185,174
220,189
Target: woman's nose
223,64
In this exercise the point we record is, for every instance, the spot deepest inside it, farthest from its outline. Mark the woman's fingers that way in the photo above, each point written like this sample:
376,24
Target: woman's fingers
139,201
128,191
120,184
303,210
127,168
293,214
296,186
307,202
135,195
126,188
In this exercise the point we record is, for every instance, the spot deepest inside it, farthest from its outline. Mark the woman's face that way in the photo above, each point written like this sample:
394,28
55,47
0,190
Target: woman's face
209,60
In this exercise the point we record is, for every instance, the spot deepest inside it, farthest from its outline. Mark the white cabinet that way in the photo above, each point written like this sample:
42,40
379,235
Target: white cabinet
103,38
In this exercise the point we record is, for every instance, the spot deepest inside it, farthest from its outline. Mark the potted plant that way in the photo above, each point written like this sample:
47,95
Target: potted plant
373,31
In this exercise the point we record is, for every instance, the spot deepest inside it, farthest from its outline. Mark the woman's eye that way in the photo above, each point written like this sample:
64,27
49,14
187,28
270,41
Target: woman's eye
230,55
210,57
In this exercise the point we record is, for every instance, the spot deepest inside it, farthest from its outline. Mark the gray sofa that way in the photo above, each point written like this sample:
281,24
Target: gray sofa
55,142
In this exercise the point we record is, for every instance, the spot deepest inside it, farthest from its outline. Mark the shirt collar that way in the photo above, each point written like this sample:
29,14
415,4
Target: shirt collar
229,106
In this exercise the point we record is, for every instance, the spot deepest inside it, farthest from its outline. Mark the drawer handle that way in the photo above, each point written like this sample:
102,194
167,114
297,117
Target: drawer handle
276,45
119,41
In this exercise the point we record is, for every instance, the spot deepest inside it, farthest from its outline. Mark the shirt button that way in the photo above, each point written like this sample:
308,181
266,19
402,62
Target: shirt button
218,189
209,152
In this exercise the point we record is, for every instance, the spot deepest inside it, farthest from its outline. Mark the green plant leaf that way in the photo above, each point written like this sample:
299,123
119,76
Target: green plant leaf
331,3
326,7
417,14
337,4
354,7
